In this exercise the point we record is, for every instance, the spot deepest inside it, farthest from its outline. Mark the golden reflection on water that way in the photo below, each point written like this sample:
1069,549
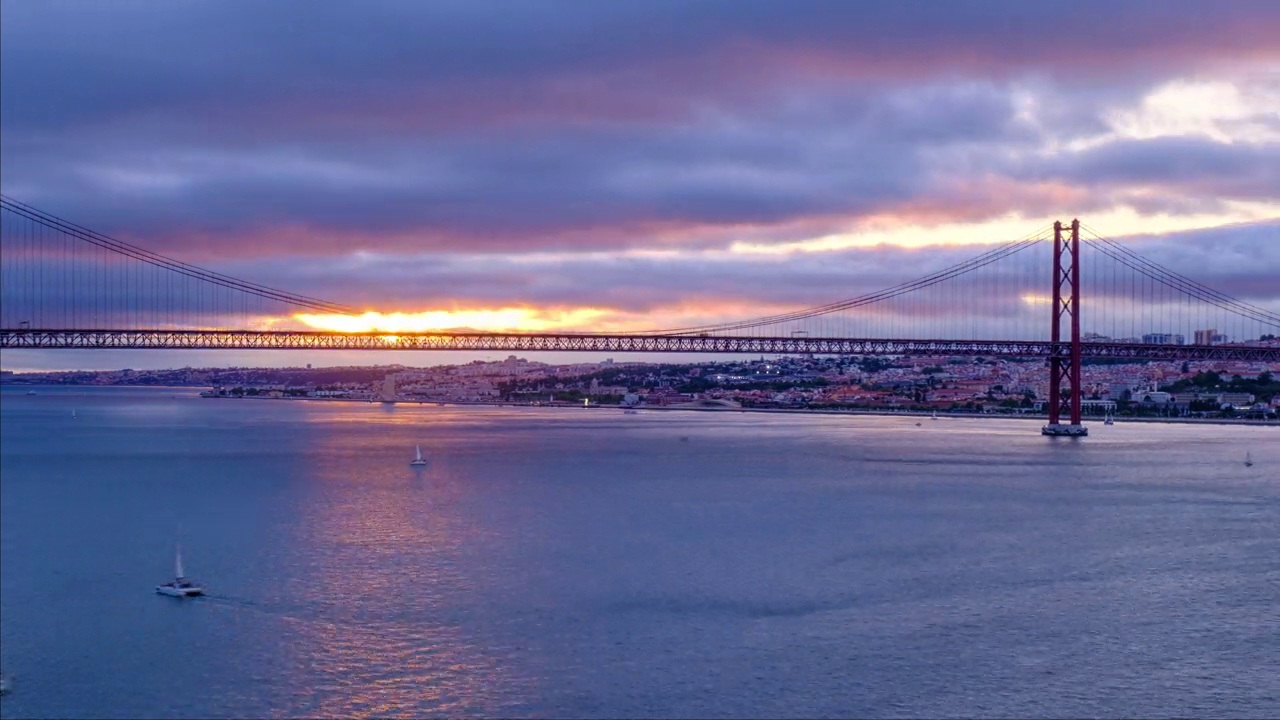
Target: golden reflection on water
377,638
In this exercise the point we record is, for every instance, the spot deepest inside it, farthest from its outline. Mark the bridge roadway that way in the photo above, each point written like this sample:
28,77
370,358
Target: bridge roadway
607,343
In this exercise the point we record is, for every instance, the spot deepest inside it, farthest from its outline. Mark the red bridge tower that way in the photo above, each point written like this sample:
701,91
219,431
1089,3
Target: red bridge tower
1065,389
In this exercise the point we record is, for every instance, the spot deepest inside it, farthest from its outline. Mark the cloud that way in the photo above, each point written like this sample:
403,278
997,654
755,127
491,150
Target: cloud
1194,166
480,61
444,125
792,172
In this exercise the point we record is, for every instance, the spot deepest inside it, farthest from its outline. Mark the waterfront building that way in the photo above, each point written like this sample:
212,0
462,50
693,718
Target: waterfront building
1163,339
1236,399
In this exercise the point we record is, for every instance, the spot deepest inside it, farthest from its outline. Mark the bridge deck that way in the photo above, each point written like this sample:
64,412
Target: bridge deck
570,342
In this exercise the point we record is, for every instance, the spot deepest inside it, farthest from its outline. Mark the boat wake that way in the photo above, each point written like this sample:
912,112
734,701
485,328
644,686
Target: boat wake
290,615
227,601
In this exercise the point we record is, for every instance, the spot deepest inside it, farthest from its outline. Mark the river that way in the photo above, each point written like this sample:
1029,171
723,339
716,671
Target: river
590,563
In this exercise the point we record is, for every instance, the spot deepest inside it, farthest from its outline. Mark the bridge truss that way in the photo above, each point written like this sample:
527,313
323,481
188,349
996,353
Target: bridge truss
605,343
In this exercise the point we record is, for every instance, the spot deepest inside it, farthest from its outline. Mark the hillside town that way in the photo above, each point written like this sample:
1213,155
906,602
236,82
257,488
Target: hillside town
1199,389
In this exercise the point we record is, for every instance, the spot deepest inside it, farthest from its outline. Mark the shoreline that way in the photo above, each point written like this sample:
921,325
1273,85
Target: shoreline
792,411
944,415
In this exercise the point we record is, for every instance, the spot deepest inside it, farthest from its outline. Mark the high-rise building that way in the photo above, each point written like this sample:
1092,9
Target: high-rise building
1163,339
1206,337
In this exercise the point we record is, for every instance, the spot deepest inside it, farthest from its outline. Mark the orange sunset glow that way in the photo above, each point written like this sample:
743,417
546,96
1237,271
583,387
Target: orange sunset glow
531,319
504,319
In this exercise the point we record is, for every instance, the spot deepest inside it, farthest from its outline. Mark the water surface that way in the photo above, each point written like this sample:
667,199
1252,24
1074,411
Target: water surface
588,563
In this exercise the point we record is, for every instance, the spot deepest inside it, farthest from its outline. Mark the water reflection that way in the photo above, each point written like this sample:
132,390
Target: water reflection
377,628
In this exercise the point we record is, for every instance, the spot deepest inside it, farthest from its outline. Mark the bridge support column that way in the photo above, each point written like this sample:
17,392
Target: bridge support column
1065,388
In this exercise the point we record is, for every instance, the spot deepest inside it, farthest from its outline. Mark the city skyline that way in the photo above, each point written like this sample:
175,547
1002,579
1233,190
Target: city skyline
800,383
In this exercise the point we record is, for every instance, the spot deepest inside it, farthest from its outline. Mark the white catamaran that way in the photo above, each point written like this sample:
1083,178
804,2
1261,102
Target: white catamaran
418,460
180,586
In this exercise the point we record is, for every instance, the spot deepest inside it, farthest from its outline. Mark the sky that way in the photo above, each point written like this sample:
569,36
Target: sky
638,165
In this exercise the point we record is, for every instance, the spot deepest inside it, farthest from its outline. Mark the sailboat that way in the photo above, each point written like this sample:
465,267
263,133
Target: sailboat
1109,419
73,414
1248,460
180,586
418,460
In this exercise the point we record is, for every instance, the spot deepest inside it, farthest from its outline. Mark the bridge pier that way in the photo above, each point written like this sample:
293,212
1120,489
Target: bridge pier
1063,430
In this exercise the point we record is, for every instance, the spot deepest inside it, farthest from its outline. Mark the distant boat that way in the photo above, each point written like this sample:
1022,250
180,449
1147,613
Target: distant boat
180,586
1248,460
935,414
418,460
684,438
6,684
73,414
1109,420
31,392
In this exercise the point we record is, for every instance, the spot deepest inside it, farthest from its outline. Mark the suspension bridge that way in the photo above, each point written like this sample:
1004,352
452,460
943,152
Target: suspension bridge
1063,293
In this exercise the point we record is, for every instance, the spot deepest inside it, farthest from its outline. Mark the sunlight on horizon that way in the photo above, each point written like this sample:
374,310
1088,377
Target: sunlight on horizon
390,325
505,319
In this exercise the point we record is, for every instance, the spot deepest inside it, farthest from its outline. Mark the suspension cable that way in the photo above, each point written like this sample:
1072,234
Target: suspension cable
156,260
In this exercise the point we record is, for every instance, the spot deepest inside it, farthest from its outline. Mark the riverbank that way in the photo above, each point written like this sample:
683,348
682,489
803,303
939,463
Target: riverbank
58,389
802,411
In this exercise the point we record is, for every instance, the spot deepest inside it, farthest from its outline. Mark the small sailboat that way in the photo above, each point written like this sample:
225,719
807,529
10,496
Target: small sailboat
418,460
935,415
1109,420
73,414
1248,460
180,586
